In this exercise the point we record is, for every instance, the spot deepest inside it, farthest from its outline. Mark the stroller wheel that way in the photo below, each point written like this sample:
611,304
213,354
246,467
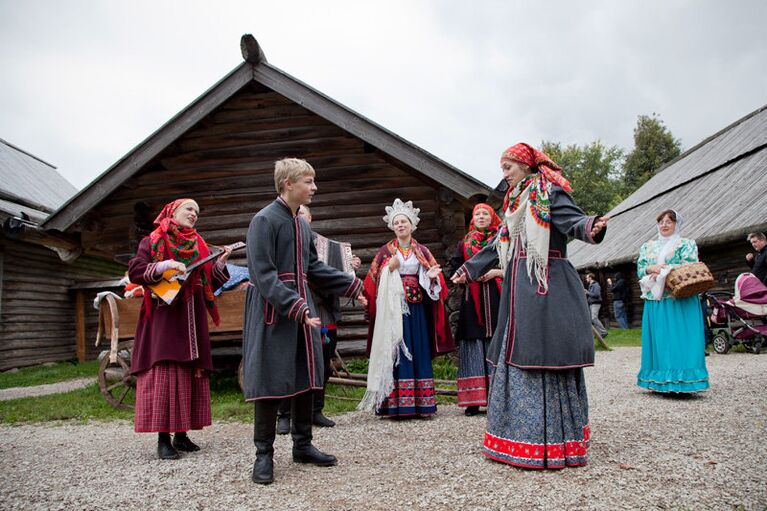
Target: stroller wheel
721,343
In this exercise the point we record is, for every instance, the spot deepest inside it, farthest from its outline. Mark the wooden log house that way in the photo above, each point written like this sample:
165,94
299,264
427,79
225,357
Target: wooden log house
718,186
38,318
221,150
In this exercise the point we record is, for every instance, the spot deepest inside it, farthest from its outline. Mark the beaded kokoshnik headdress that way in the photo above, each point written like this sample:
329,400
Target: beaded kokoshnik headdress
401,208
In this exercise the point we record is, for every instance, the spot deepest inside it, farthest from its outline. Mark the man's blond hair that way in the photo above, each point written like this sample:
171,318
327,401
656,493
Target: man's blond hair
291,169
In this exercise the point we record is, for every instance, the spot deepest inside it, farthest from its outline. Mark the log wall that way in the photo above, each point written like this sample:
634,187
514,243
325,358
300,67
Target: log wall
37,309
226,163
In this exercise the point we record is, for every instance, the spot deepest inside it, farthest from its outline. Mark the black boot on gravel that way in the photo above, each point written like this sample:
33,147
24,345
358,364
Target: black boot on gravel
311,454
182,443
471,410
283,424
263,468
165,451
321,421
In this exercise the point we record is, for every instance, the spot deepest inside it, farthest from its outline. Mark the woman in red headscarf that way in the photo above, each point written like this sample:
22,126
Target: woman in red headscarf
537,414
478,312
171,352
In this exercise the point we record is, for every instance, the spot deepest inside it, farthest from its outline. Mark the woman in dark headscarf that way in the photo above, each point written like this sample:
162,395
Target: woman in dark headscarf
171,353
537,414
478,311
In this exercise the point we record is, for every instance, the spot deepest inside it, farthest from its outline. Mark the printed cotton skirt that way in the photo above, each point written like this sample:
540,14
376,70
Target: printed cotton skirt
413,392
537,418
673,346
473,372
170,398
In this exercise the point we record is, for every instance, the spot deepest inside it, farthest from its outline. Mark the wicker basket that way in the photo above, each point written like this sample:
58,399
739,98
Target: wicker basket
689,279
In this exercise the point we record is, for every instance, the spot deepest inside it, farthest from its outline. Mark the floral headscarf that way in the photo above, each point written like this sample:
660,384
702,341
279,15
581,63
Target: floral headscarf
474,241
183,244
476,238
528,217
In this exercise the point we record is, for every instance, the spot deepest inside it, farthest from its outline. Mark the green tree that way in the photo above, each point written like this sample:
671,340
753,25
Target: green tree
654,145
594,171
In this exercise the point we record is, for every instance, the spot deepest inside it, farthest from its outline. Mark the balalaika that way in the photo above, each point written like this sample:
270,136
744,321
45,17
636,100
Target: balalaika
172,280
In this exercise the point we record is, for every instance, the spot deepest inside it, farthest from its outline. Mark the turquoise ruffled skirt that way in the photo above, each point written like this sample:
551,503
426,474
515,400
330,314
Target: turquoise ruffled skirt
673,346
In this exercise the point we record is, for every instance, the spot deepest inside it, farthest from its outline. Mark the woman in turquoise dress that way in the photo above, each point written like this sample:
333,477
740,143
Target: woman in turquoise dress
673,342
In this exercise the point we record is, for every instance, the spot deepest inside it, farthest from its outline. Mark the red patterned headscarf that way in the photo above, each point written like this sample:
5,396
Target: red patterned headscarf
476,238
474,241
171,241
538,161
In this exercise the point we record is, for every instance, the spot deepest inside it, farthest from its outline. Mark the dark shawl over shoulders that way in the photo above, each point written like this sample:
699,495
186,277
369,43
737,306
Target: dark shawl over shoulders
549,330
470,326
177,332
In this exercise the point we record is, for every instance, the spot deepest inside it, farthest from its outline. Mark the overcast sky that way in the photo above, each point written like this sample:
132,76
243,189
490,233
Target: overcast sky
83,82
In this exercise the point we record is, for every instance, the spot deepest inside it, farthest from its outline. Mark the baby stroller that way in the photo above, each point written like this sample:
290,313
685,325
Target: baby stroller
738,318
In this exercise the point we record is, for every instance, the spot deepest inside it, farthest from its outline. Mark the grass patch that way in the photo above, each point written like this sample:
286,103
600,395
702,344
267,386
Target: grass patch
227,403
226,400
79,405
39,375
619,338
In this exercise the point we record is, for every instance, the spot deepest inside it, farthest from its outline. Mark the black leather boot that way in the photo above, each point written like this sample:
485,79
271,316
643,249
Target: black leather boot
303,450
263,437
283,417
318,419
166,451
182,443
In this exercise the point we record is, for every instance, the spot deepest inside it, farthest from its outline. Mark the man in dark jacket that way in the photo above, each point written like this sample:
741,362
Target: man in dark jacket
758,262
594,299
620,292
329,310
281,347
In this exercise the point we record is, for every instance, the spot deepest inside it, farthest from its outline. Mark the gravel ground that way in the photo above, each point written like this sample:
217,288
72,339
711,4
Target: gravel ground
42,390
647,452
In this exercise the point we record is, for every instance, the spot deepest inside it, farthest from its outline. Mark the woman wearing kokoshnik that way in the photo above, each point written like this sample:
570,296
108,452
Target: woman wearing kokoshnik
478,312
406,292
171,352
538,409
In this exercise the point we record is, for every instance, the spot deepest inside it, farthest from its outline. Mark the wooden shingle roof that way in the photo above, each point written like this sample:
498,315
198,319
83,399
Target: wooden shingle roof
719,187
30,185
257,69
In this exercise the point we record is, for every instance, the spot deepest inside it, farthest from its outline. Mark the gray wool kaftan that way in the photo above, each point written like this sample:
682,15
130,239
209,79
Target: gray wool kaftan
545,329
282,356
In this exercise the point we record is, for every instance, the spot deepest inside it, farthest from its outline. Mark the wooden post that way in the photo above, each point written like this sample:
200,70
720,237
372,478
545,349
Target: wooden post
80,324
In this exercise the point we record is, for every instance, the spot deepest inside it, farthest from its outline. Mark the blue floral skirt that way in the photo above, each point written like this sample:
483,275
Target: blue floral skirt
537,418
673,346
413,392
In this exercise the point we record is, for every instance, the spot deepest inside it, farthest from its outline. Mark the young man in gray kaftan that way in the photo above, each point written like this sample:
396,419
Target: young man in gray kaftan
282,354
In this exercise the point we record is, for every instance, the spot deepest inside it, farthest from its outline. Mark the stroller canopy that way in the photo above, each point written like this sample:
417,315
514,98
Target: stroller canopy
750,294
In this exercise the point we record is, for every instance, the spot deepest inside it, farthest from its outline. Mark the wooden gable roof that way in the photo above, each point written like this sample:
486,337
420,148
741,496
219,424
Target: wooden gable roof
718,186
291,97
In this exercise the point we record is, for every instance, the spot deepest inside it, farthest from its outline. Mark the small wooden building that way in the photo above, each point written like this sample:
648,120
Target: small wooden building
38,322
718,186
221,151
